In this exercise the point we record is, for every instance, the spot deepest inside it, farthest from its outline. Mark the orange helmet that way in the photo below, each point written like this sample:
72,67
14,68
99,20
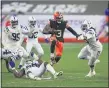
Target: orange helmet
58,16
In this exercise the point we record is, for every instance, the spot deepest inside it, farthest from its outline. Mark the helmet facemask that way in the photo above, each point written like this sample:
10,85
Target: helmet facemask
58,17
32,23
84,27
14,21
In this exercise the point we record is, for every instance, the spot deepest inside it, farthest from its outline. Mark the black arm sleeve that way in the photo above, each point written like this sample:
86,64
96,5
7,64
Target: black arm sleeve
72,31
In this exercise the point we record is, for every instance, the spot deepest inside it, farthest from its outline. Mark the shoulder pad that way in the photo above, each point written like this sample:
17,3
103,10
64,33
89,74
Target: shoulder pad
92,28
51,20
91,31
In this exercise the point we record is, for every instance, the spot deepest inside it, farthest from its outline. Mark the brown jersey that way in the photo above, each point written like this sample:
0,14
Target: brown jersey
59,27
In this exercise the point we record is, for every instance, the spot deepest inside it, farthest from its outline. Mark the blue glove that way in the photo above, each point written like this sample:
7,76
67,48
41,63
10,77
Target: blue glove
12,64
46,40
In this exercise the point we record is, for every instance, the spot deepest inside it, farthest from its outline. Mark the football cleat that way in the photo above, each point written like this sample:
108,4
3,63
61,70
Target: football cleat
90,74
58,74
37,78
97,61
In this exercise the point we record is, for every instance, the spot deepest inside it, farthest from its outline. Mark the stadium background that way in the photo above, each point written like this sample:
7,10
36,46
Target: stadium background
75,12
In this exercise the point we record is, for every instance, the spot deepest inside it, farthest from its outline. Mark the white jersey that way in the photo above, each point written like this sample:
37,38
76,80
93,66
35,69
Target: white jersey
90,37
35,68
31,32
12,36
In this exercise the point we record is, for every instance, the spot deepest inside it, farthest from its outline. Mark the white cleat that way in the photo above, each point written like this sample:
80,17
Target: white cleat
90,74
97,61
37,78
58,74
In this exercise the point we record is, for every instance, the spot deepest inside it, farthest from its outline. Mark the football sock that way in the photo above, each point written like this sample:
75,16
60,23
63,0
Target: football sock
52,47
91,68
57,58
50,69
22,61
52,55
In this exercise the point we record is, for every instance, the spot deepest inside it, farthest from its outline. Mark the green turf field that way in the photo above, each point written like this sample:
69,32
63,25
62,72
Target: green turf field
74,71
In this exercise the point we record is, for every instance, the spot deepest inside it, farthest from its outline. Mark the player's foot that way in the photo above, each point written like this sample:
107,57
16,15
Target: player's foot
37,78
20,66
58,74
90,74
97,61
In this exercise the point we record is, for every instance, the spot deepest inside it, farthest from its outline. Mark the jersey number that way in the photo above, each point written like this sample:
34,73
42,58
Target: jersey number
59,32
16,36
33,35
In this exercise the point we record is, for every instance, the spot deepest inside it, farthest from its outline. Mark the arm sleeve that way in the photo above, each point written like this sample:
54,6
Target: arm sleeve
72,31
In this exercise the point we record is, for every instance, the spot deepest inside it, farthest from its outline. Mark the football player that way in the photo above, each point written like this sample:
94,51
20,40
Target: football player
32,32
12,37
93,48
56,28
34,70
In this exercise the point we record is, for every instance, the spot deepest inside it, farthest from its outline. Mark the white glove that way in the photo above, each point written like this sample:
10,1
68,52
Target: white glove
81,37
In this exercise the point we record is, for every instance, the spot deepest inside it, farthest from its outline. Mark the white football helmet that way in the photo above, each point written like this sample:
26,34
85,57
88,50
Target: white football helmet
31,21
14,21
85,25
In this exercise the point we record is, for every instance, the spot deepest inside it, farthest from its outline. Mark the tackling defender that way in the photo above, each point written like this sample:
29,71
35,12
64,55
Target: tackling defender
56,28
93,48
32,31
12,37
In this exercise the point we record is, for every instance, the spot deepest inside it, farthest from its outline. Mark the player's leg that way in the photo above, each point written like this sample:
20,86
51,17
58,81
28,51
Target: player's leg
39,50
94,56
59,51
46,66
23,55
84,53
29,47
52,47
